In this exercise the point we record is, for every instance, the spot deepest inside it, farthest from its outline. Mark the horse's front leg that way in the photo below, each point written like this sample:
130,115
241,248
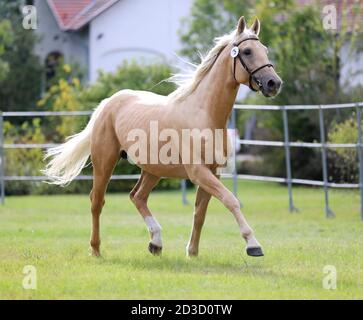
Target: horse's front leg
200,210
204,178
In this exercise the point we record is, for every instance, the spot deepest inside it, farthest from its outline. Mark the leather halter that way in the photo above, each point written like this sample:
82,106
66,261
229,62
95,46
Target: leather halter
236,54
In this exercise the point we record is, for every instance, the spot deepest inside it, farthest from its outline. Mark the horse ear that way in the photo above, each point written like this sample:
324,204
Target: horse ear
241,26
256,26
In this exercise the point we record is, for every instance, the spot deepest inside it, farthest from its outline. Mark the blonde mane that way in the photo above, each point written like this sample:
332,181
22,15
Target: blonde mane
187,82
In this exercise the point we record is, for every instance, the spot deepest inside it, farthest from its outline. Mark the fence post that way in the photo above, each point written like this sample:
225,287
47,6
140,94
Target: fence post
183,184
235,177
292,208
328,212
360,156
2,160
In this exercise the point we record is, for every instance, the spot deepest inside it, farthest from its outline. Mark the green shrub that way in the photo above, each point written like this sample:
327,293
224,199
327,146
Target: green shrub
23,162
343,161
63,95
129,75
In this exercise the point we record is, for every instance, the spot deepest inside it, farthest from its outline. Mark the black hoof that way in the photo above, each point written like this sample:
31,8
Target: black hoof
154,249
255,252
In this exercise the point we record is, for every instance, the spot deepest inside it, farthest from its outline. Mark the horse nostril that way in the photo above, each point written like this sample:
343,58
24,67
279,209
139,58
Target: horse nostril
271,84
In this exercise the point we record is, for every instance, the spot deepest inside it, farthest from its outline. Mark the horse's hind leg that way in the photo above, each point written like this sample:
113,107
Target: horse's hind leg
104,158
139,196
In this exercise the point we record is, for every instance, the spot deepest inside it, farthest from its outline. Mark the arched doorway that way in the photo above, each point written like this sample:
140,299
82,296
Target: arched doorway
52,61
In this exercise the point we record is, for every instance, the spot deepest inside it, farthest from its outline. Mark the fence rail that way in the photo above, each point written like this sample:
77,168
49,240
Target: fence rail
287,144
296,107
298,144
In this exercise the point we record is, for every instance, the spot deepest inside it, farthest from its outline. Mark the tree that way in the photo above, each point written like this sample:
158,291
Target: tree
22,87
6,38
209,19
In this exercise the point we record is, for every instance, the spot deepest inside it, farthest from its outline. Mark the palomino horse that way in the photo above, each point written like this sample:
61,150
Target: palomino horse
203,102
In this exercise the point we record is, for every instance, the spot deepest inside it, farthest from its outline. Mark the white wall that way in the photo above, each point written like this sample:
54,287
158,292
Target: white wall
73,46
351,73
145,30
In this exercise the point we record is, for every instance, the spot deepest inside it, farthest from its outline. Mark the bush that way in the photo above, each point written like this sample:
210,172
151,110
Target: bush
22,86
129,75
343,161
62,95
23,162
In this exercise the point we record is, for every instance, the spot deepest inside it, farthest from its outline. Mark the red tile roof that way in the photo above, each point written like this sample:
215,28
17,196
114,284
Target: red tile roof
74,14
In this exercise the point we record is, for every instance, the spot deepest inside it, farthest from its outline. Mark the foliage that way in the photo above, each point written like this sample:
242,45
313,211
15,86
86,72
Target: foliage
23,162
22,86
129,75
344,160
207,20
62,95
6,39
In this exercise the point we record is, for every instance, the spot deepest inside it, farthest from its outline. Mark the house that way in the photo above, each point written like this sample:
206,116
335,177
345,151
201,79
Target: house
100,34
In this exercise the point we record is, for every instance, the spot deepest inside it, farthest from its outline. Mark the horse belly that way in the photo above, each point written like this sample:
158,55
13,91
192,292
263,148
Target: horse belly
165,170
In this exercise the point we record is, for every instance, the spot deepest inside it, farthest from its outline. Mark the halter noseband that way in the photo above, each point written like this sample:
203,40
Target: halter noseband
236,54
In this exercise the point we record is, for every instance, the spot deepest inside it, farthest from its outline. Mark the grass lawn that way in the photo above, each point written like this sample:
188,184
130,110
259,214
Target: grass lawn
52,234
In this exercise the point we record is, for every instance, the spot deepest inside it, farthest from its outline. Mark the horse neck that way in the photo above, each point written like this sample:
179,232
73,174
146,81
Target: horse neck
217,92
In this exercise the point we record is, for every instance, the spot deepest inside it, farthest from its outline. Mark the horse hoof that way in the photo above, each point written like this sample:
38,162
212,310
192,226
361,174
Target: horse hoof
255,252
192,254
154,249
95,253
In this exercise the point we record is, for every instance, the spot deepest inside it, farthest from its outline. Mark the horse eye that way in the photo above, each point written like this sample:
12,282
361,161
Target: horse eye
247,51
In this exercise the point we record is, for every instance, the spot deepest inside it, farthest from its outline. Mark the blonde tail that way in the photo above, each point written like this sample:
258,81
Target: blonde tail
68,159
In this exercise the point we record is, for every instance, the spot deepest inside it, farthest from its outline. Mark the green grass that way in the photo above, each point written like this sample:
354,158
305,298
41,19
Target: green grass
52,233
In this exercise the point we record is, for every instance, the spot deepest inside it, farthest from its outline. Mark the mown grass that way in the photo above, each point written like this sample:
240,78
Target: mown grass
52,233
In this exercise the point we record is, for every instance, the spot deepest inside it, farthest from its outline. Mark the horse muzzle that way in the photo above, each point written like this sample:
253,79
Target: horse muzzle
269,86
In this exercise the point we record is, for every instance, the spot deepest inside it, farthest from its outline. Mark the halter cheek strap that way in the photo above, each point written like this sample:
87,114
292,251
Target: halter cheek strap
236,54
